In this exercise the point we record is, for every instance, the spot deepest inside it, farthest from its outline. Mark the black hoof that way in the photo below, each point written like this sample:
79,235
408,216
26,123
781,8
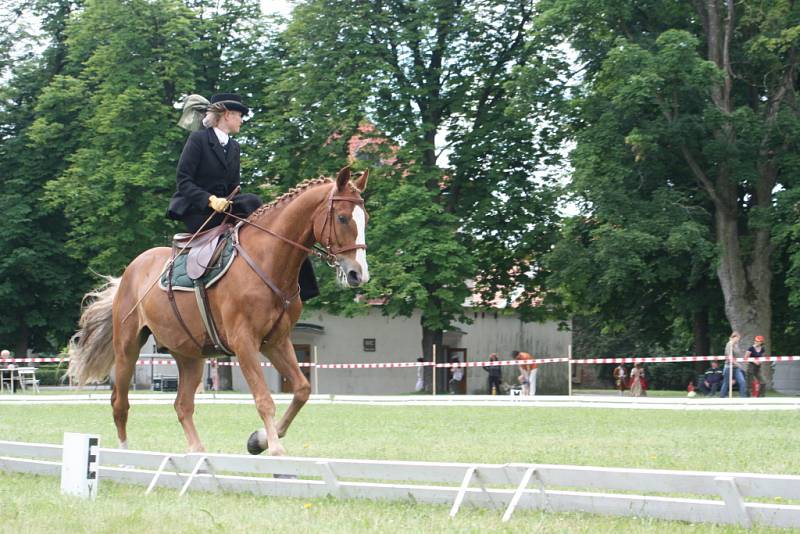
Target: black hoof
257,442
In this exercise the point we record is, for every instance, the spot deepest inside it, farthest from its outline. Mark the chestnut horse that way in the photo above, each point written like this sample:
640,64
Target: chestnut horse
252,318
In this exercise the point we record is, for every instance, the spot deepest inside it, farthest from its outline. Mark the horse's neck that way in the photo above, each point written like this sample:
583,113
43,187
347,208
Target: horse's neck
293,221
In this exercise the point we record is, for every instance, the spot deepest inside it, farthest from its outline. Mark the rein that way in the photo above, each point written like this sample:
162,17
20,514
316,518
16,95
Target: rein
325,253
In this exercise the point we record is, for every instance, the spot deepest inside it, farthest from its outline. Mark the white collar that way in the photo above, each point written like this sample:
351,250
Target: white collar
222,136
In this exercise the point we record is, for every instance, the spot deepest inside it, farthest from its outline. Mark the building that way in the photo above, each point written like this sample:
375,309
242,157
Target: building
374,338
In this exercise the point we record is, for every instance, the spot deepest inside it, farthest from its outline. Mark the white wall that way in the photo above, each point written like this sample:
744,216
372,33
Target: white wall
399,340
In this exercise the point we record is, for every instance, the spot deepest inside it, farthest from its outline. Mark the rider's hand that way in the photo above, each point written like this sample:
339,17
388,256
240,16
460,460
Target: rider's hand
218,204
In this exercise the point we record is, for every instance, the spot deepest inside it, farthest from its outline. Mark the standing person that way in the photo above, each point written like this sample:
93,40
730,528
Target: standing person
209,171
733,367
712,379
754,378
533,371
643,379
619,378
495,375
420,385
527,368
636,380
457,375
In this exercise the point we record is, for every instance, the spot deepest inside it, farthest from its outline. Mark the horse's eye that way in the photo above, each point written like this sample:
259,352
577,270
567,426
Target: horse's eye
342,219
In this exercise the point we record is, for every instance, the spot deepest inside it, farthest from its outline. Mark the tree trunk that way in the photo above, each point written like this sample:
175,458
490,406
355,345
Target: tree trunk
746,288
745,280
21,346
701,342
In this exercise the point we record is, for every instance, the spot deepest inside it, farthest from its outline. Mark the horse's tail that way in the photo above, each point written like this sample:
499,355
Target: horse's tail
91,349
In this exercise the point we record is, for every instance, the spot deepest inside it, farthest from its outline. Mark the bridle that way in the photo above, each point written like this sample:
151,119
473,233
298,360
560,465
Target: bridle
328,243
326,252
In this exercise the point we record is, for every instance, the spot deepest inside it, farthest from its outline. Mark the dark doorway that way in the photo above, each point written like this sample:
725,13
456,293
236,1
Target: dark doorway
460,355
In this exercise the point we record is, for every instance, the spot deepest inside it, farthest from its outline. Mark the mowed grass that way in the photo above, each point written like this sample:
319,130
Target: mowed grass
753,441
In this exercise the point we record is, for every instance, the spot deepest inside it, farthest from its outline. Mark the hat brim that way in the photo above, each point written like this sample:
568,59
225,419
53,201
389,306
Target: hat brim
233,106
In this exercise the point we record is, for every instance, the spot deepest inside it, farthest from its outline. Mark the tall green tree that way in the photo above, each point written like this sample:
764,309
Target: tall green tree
418,72
713,88
40,285
127,64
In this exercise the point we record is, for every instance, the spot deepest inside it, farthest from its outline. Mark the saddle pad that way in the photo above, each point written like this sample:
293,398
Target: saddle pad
181,280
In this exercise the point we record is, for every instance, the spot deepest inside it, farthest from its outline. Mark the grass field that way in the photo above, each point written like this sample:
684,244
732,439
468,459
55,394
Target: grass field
721,441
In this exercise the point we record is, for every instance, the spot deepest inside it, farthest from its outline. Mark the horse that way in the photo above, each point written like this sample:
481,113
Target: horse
254,311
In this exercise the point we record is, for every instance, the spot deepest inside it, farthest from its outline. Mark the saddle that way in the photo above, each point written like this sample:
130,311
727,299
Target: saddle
210,256
203,262
203,251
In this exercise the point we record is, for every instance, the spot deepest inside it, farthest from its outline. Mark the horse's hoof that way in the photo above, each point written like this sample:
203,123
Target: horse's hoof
257,442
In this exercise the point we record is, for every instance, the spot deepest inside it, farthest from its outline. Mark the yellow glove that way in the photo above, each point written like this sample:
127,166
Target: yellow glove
218,204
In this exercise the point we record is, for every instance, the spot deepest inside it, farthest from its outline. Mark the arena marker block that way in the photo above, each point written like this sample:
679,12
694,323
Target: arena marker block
79,463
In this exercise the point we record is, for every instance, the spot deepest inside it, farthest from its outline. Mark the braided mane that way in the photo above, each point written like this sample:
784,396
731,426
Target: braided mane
289,195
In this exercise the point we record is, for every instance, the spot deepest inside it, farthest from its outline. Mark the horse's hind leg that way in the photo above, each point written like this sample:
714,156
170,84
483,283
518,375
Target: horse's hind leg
284,359
190,371
127,344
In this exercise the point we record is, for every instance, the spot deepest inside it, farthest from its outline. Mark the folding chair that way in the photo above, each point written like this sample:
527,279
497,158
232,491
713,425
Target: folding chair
7,379
27,377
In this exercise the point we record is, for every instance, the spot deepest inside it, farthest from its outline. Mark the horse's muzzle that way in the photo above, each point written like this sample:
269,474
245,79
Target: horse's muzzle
351,270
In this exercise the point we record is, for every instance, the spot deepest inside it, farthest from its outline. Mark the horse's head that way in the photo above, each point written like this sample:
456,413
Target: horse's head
340,225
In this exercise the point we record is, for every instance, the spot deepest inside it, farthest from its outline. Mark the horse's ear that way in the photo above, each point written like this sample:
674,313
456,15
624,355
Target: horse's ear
361,181
342,178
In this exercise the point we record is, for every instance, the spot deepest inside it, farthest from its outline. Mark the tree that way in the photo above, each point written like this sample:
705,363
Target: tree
713,85
40,285
417,71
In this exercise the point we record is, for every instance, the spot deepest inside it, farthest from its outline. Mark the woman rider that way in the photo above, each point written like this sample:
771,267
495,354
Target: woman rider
209,171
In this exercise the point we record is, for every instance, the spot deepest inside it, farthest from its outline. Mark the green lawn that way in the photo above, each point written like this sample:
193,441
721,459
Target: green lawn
726,441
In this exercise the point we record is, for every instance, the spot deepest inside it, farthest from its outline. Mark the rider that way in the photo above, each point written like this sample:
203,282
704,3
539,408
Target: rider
209,171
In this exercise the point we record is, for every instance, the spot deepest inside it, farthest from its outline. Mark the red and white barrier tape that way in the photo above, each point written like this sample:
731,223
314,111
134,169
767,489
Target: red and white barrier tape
390,365
501,362
659,359
32,360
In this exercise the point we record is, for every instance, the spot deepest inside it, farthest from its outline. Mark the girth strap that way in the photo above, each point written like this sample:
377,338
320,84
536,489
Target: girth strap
171,298
208,318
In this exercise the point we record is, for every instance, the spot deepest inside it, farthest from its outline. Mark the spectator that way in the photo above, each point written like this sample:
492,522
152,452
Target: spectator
643,380
733,367
420,385
619,378
495,375
636,380
456,376
527,368
712,379
754,378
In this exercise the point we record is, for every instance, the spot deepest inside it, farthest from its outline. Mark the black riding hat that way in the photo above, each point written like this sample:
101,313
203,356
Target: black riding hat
232,101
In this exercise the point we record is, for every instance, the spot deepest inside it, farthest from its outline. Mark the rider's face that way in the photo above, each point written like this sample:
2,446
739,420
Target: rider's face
233,121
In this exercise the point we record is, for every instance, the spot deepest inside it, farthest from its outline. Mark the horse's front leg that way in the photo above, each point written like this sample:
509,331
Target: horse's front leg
284,359
190,371
250,365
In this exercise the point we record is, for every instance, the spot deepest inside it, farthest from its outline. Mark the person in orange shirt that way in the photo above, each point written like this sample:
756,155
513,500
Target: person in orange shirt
528,370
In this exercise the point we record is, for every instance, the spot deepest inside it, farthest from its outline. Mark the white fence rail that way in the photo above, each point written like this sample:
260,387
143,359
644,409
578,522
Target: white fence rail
704,496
